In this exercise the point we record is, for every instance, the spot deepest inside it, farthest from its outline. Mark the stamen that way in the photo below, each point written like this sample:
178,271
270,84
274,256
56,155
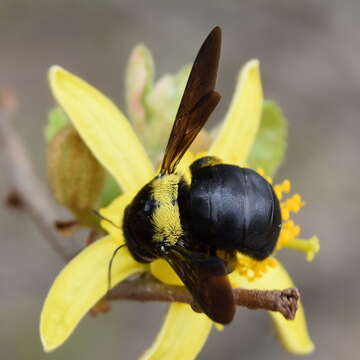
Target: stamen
293,204
284,187
289,231
261,172
310,246
253,269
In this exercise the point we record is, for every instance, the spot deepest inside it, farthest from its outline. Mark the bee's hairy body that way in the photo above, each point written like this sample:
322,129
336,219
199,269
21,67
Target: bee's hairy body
166,217
225,207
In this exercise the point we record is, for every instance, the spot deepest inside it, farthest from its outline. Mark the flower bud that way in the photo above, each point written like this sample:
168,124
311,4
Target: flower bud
75,176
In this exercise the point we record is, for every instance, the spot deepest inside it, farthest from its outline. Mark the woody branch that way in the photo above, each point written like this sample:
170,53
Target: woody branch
147,288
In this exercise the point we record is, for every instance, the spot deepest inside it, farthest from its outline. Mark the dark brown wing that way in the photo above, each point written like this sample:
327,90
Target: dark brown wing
197,103
205,278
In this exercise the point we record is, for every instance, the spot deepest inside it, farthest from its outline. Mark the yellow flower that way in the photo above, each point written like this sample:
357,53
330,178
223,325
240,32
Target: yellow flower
83,281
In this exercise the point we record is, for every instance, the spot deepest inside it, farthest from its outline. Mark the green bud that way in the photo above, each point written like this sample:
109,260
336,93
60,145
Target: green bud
138,83
164,99
162,103
75,176
57,119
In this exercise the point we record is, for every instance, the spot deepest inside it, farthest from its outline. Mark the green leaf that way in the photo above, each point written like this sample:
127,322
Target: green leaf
138,83
271,141
57,119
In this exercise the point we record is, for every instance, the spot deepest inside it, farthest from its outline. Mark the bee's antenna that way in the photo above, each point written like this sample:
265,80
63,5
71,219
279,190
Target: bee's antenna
96,213
110,265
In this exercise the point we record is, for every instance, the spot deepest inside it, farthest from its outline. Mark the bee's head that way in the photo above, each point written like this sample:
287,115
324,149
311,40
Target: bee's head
138,228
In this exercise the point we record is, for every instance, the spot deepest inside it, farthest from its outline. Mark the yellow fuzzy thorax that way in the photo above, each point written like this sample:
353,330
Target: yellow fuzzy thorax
166,217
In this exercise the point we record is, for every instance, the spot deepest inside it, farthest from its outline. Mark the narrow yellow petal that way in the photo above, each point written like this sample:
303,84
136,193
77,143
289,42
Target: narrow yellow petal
292,334
182,336
115,214
164,272
242,121
104,129
79,286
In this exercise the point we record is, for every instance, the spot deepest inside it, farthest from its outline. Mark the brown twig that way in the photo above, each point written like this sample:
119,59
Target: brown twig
147,288
29,194
27,187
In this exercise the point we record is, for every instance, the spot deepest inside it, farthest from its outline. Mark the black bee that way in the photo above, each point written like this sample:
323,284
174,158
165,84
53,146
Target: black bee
197,227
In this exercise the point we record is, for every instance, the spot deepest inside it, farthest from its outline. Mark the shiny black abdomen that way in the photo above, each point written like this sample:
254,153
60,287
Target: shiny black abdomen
234,208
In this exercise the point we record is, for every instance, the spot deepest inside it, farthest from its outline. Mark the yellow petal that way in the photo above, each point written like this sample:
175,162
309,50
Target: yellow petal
182,336
241,123
164,272
293,334
104,129
79,286
115,213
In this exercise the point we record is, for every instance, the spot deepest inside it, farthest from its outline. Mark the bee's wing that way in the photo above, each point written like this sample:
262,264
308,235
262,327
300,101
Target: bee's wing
197,103
205,278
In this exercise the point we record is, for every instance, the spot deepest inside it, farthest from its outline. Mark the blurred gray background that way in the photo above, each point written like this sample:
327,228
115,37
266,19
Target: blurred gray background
310,56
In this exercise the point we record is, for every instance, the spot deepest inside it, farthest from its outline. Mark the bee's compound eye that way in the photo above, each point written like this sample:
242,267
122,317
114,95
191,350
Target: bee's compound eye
147,208
138,228
150,205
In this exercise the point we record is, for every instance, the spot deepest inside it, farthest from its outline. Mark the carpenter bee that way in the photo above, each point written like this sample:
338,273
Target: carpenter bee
197,227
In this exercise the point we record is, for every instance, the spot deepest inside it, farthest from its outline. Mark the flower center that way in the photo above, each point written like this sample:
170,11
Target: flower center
253,269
